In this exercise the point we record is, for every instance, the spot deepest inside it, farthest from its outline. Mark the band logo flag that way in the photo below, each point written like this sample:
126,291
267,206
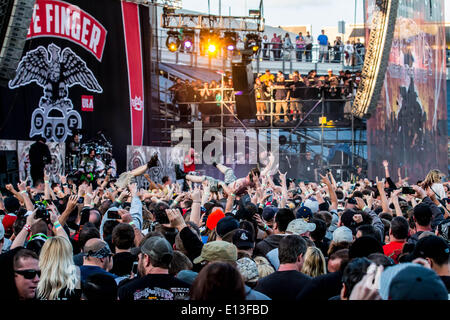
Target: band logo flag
63,20
132,32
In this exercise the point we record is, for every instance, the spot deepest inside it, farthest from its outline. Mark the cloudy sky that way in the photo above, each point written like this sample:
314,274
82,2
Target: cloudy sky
318,13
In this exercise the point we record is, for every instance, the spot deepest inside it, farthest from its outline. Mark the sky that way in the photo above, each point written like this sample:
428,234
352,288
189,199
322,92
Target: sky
318,13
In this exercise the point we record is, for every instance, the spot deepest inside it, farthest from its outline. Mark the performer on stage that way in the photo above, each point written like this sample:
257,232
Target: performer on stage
74,152
39,156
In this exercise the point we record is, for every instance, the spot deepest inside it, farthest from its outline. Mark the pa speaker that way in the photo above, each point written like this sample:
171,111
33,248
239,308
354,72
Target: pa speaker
15,18
246,105
242,76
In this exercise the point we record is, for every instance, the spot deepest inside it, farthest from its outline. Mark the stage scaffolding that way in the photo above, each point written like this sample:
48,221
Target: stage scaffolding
322,131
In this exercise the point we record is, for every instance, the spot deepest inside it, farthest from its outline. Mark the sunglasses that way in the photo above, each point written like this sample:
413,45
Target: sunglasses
29,273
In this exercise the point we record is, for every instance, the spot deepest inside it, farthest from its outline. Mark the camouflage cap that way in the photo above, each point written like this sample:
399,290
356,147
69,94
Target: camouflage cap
248,269
217,251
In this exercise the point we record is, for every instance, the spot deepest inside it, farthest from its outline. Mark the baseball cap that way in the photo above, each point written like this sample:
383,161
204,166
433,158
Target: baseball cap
432,247
242,239
226,225
312,204
248,269
217,251
187,276
342,234
8,220
300,226
214,218
415,282
158,248
269,212
304,213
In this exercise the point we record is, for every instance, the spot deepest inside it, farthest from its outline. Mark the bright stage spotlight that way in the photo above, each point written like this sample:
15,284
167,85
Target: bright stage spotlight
210,42
173,40
212,49
253,42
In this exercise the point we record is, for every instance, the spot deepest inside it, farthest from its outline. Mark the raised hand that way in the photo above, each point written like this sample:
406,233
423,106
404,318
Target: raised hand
420,193
360,204
325,180
385,163
72,203
22,186
176,219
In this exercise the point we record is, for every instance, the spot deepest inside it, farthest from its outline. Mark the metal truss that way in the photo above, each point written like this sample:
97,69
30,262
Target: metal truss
377,57
175,4
220,23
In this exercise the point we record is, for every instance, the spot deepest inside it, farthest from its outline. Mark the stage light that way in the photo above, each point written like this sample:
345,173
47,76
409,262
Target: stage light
173,41
253,42
188,39
230,40
210,41
212,48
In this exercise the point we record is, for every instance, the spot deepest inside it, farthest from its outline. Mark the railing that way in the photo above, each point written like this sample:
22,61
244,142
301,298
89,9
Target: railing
268,57
270,112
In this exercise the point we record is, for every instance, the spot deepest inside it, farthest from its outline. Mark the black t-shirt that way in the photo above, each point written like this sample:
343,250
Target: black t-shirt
322,287
155,287
283,285
123,263
297,90
446,280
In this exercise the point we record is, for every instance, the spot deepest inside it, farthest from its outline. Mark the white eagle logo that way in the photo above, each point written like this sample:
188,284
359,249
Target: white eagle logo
55,118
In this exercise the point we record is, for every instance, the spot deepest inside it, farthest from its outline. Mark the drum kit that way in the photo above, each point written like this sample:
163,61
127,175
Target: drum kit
103,156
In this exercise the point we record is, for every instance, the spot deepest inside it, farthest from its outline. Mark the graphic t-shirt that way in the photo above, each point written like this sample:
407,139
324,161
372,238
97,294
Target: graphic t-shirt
155,287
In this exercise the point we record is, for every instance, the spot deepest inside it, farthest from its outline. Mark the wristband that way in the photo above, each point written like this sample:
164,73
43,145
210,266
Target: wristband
131,223
56,224
118,201
46,181
27,227
175,202
266,227
23,191
365,207
233,195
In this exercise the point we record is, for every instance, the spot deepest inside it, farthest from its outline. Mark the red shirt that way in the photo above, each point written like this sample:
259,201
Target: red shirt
393,249
191,167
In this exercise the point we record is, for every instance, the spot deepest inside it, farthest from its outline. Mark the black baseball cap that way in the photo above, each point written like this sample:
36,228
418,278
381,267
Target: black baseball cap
242,239
432,247
226,225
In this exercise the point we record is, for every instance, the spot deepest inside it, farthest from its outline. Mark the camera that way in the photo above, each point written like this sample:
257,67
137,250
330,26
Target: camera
408,190
42,211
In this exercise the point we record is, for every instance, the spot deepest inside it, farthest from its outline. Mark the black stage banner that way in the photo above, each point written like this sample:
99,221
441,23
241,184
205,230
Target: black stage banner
83,67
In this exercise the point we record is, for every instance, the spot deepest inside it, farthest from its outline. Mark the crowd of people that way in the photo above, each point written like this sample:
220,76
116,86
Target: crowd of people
258,237
280,97
351,53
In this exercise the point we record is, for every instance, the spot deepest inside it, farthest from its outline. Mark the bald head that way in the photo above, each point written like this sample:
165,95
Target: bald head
94,245
97,253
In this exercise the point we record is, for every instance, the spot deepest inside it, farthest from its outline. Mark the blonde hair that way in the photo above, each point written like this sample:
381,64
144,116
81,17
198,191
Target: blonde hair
314,264
264,266
58,270
434,176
